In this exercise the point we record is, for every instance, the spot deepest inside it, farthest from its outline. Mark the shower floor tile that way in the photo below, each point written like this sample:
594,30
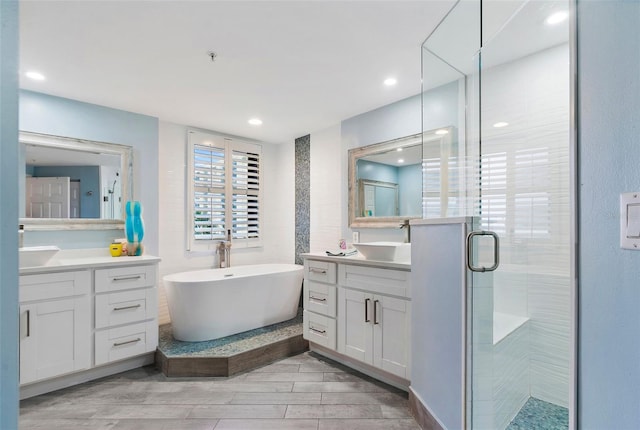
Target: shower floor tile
231,354
540,415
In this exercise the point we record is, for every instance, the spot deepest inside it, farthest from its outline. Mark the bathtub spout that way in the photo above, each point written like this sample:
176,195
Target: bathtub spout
223,250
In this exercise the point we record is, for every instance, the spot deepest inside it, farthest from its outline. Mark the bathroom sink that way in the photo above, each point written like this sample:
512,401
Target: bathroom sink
385,251
33,256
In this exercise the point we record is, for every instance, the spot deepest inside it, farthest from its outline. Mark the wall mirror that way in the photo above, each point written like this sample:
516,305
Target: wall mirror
386,179
70,183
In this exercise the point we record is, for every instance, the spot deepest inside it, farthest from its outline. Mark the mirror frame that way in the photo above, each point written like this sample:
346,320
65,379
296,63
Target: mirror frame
126,169
377,148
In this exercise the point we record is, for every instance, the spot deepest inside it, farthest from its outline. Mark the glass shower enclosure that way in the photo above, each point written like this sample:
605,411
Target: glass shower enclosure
501,71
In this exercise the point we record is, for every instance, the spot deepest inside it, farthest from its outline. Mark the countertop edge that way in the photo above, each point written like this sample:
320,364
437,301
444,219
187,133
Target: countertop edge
359,261
88,263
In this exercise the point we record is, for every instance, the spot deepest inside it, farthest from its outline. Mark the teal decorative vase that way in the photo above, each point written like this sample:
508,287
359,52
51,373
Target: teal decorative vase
134,228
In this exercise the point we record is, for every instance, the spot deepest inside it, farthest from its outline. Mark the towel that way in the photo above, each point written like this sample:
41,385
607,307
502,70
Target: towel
342,252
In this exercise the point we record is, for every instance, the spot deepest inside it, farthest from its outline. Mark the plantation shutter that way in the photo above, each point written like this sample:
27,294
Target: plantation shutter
209,203
245,206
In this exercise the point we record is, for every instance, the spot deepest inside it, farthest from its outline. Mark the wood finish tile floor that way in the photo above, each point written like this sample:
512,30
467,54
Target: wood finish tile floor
304,392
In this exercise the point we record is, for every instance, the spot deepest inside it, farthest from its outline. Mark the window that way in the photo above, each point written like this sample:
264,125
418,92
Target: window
224,191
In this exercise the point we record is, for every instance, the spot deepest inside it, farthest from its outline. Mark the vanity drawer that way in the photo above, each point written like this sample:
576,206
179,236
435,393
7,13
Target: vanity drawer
319,329
125,307
54,285
384,281
320,298
124,278
123,342
320,271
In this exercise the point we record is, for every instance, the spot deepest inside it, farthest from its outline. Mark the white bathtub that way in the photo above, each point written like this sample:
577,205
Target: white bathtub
213,303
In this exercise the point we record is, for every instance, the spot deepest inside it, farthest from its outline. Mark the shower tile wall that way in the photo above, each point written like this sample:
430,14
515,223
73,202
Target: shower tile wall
303,163
534,278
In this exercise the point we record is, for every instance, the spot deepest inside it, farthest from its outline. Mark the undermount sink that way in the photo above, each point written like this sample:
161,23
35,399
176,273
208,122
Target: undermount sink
385,251
33,256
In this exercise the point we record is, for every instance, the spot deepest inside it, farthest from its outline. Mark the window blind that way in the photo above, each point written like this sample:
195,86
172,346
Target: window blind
209,203
245,202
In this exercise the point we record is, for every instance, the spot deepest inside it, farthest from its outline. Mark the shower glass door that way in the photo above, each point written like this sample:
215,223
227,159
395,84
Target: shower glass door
508,65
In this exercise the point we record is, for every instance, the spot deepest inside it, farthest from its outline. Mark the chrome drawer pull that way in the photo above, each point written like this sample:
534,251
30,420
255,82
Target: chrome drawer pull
28,323
127,307
127,278
321,271
127,342
375,312
315,330
318,299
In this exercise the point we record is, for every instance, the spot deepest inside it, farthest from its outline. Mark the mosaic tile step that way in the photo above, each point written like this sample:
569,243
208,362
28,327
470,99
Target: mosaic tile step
540,415
230,345
231,354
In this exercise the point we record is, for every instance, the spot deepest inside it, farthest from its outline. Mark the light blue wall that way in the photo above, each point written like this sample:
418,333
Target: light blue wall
410,186
42,113
377,171
403,118
8,215
609,156
89,177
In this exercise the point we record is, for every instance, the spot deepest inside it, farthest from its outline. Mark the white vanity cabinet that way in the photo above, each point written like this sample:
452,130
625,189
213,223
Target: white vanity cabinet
370,329
86,318
55,324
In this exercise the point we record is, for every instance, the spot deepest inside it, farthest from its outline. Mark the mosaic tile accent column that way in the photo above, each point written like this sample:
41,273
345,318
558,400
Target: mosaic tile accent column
303,170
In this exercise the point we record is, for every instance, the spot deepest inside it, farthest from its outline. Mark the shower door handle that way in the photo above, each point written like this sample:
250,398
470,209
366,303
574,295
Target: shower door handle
496,251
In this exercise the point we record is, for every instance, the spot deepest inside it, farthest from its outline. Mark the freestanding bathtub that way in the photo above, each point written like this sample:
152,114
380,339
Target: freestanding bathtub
213,303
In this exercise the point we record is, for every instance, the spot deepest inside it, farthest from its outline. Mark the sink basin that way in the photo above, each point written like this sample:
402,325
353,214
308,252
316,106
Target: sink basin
33,256
385,251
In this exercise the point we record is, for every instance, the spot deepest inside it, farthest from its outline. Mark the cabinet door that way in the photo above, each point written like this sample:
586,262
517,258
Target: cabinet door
391,319
354,324
54,338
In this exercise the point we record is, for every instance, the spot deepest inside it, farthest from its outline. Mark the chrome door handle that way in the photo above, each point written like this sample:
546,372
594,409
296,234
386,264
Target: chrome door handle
375,312
28,323
318,299
321,271
496,251
366,310
315,330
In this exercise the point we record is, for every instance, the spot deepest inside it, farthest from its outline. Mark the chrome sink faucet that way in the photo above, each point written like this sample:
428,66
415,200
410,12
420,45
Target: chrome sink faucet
405,224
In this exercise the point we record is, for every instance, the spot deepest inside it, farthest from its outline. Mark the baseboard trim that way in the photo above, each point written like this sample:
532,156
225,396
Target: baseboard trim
423,416
46,386
374,372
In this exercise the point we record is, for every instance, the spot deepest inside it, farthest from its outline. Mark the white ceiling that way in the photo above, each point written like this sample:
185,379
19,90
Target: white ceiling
300,66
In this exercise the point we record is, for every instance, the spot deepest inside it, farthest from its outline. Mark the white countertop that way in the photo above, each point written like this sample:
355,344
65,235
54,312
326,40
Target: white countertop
360,261
70,259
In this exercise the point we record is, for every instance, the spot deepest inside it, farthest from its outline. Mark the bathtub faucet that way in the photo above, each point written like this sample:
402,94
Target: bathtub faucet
224,251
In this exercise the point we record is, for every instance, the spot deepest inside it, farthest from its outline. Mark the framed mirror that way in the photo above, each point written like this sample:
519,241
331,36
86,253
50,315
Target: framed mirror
73,183
386,179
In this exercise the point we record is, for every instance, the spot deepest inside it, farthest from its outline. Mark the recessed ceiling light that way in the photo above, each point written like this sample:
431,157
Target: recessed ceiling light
36,76
557,17
442,132
255,121
390,81
400,160
500,124
399,149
